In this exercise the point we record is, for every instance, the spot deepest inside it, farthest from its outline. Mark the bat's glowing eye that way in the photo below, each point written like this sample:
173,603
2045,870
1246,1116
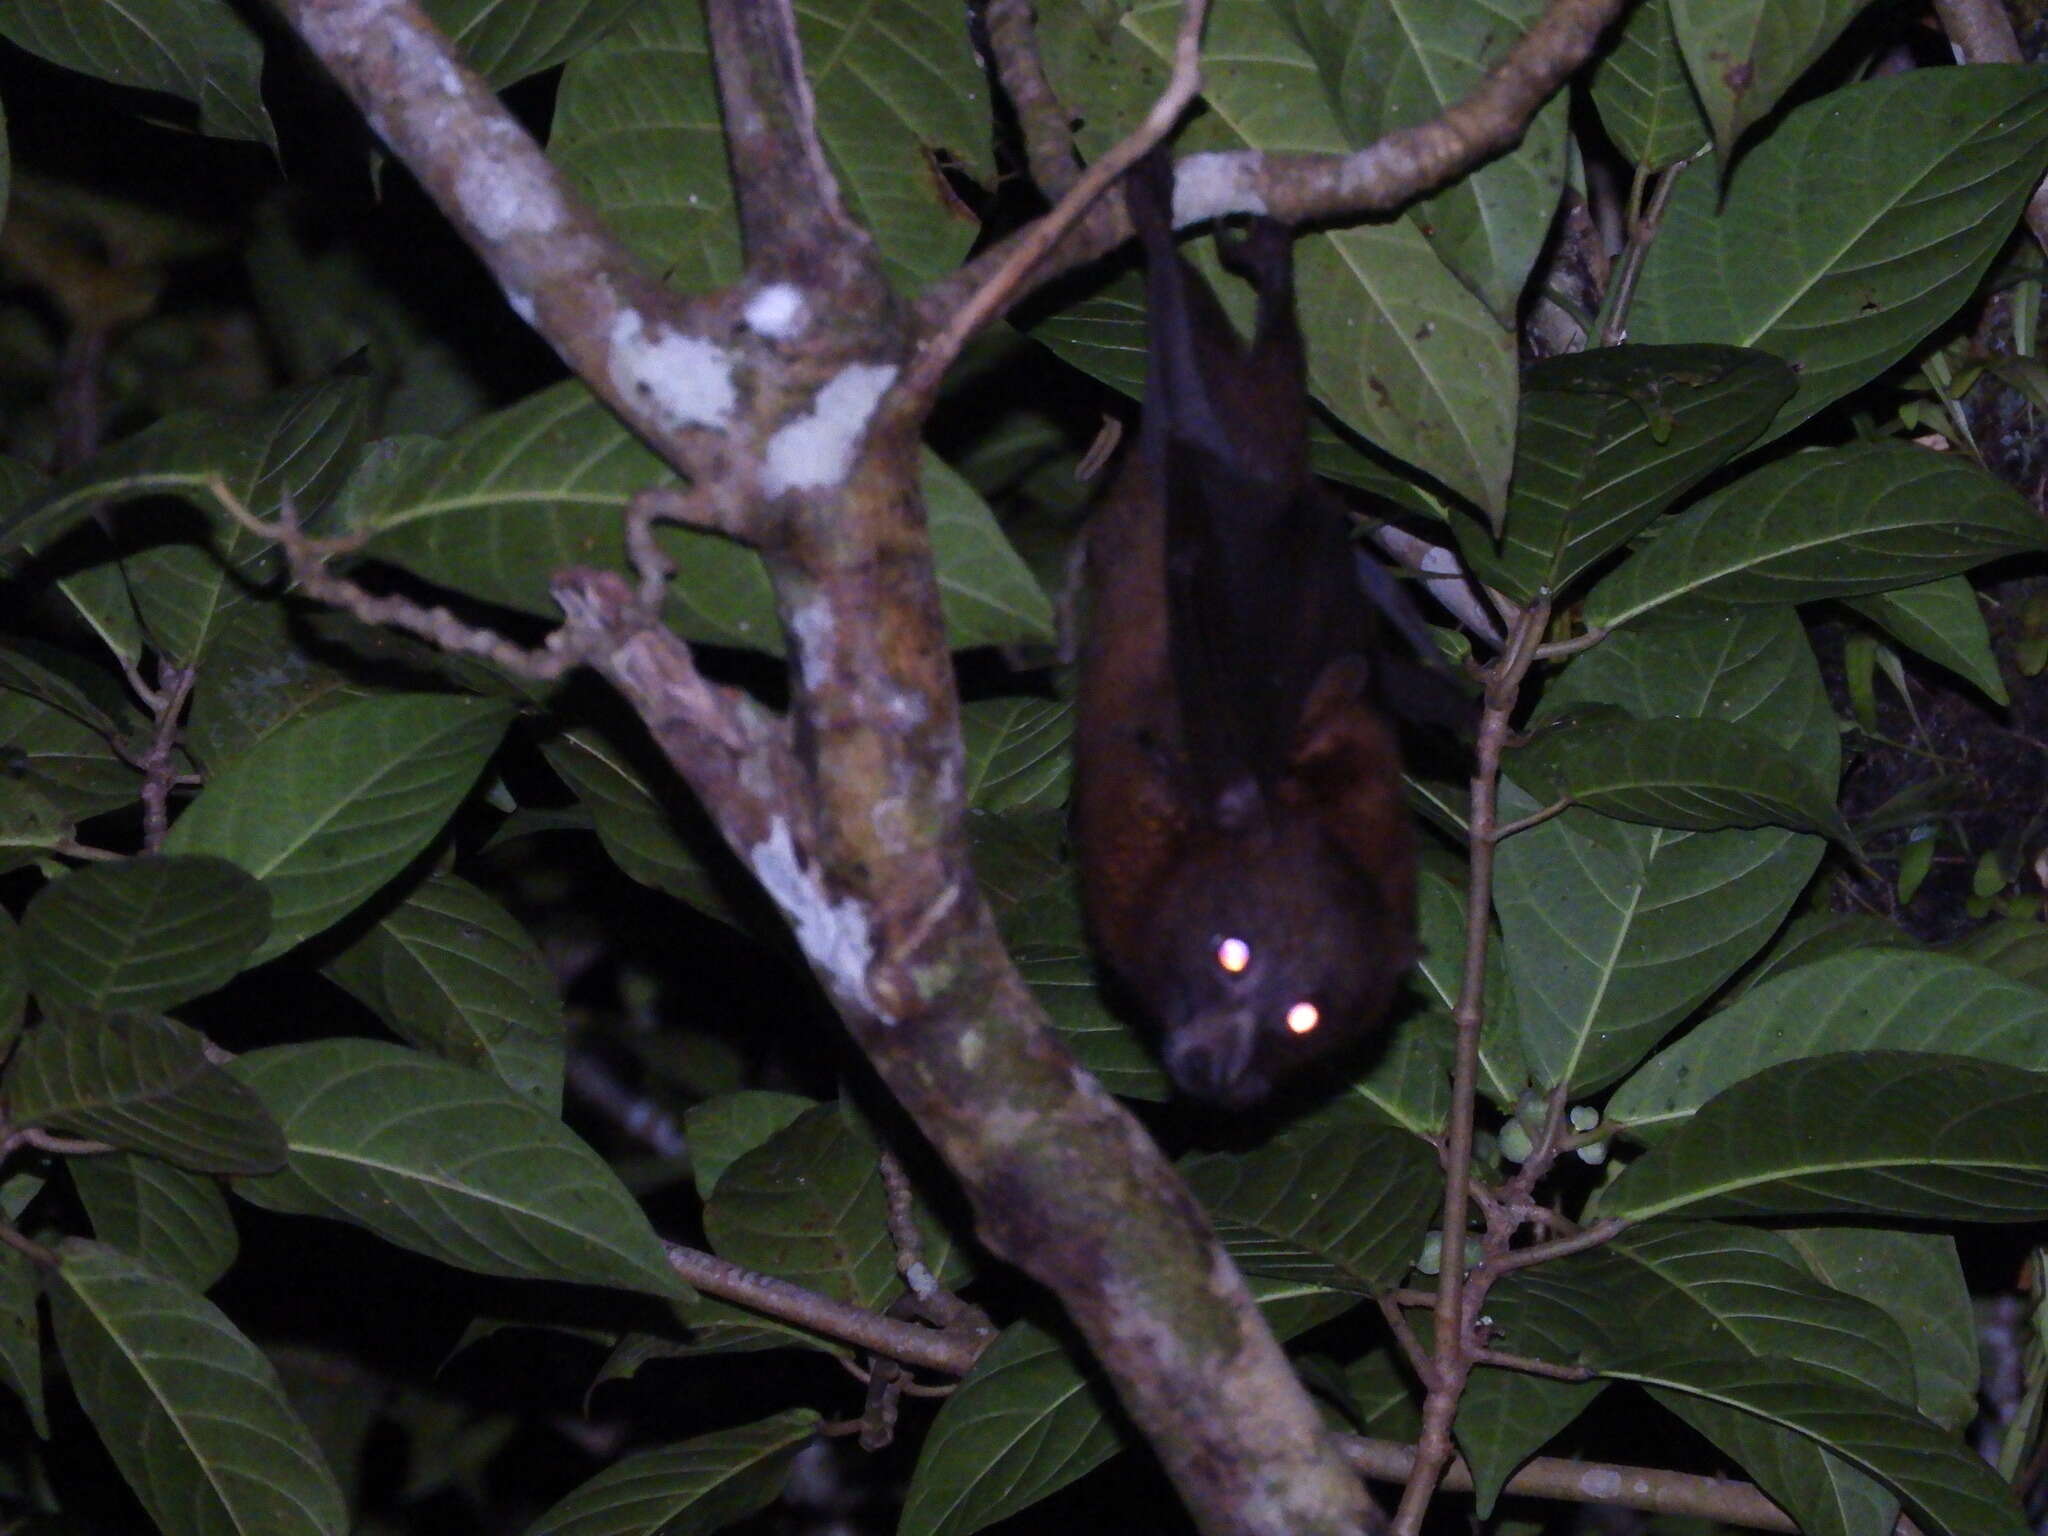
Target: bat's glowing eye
1303,1017
1233,955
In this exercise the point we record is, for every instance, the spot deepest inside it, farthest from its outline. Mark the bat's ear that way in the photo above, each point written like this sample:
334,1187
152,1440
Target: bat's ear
1330,715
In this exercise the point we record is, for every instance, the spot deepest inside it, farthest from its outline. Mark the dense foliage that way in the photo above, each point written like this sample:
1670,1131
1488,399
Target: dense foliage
306,923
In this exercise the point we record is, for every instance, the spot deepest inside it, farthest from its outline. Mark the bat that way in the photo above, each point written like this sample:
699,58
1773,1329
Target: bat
1247,868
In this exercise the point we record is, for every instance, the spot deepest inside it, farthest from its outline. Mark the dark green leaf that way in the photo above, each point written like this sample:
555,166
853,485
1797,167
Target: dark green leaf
1745,54
13,983
1400,350
2011,946
723,1130
507,42
1942,1482
1017,753
1338,1201
1613,933
1916,1279
178,1222
1835,522
1886,1133
1610,438
1862,221
1942,621
52,763
1695,775
454,973
21,1336
331,807
143,1084
449,1163
808,1205
143,934
1865,1000
691,1489
1814,937
203,54
1549,1312
1640,87
189,1409
1384,67
637,829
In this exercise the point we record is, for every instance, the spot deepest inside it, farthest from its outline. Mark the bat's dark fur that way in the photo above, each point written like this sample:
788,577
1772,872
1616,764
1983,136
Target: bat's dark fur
1243,846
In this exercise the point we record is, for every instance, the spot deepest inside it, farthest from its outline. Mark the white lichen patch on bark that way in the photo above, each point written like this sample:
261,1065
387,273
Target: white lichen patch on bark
834,935
686,380
776,312
1209,186
502,186
817,449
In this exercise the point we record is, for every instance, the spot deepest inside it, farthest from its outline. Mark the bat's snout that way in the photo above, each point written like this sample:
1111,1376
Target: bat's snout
1210,1057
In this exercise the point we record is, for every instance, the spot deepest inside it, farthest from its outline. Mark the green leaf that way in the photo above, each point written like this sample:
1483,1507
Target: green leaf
723,1130
1943,622
267,665
1025,1422
637,829
143,934
1904,1133
1399,349
1613,933
21,1336
1860,223
188,576
1610,438
1645,101
699,1486
1814,937
143,1084
1028,1420
517,495
13,983
200,52
1017,753
1836,522
1385,67
52,763
1337,1201
2011,946
189,1409
1745,54
331,807
637,125
1697,775
1551,1312
986,591
1017,860
1916,1279
505,41
454,973
1824,1495
807,1204
1438,977
1943,1484
178,1222
637,129
1865,1000
449,1163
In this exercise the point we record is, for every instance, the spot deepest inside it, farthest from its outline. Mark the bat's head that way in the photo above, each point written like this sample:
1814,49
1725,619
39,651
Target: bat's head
1269,958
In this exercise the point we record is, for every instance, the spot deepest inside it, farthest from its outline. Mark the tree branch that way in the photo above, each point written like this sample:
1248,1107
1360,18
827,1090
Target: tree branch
1299,189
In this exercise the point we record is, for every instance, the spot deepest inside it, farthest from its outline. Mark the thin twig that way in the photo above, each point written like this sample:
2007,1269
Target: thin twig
1642,234
1048,140
1452,1345
1533,819
1529,1366
946,1351
1001,285
1418,1357
21,1243
159,771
